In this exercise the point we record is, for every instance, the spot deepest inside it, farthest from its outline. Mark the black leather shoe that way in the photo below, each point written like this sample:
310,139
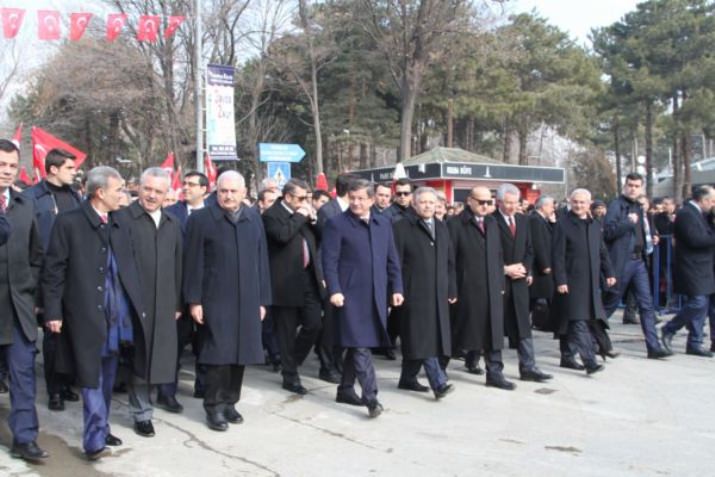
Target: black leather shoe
349,398
501,383
96,455
475,370
443,391
56,403
3,387
666,340
295,388
232,415
412,386
390,355
144,428
169,404
595,369
69,395
699,352
374,409
658,353
29,452
534,375
329,376
572,364
112,440
630,321
216,421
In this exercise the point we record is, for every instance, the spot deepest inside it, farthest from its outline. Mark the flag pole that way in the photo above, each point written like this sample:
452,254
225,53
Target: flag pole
197,88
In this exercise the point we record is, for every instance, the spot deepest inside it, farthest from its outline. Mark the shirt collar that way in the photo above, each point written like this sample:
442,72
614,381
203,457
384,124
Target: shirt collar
343,205
290,211
695,204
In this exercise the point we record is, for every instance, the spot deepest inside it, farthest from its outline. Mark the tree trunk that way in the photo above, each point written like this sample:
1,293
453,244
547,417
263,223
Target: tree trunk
450,123
677,164
314,100
685,152
617,150
523,135
649,148
408,94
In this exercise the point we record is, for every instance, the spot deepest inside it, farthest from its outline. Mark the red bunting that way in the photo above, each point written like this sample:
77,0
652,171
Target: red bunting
115,24
78,25
11,21
172,24
48,24
42,143
148,29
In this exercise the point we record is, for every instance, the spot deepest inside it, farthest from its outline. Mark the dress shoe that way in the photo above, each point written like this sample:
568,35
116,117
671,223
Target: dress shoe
56,403
630,321
329,376
144,428
232,415
347,397
443,391
112,440
96,455
69,395
295,388
412,386
3,387
29,452
501,383
658,353
699,352
390,355
475,370
571,364
216,421
595,368
609,354
534,375
169,404
374,409
666,340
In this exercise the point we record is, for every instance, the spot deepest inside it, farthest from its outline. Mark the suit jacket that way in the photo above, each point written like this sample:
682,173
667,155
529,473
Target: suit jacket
541,235
360,261
620,233
693,260
285,233
73,280
326,212
20,264
181,212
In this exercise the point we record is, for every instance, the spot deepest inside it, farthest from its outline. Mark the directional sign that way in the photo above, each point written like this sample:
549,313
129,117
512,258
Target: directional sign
279,171
280,152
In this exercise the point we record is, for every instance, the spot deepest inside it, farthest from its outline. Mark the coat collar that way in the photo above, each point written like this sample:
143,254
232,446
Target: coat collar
136,211
92,216
218,213
355,220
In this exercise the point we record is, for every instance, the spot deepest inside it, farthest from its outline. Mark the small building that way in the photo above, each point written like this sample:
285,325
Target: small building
455,171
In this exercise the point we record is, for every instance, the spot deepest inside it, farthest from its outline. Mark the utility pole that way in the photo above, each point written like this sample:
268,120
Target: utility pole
198,83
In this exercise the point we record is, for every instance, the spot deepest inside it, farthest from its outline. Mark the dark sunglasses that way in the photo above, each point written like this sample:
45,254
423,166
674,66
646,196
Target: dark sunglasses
483,202
403,194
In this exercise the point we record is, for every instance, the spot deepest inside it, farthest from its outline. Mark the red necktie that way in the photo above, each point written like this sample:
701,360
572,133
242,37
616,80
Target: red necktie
103,219
512,226
480,224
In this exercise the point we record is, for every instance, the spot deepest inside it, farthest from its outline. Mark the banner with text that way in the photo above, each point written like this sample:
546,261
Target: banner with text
220,120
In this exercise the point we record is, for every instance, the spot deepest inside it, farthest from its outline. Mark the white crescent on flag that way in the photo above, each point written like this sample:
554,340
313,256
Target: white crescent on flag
117,25
149,26
51,23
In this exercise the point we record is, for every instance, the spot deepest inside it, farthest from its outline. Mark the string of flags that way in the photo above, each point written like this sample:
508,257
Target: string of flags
49,25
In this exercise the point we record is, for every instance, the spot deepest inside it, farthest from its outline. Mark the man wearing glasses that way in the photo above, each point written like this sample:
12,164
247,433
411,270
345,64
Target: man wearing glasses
403,199
296,278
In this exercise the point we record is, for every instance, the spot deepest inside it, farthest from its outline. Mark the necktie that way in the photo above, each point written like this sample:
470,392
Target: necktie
512,226
480,224
430,227
3,203
103,218
306,254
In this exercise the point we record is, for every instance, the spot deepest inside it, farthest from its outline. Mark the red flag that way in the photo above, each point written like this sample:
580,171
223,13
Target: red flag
11,21
321,182
172,24
48,24
78,24
148,29
210,170
115,24
17,137
42,143
168,163
23,176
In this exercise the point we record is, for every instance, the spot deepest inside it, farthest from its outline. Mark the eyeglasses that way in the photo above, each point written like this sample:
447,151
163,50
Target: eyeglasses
191,184
482,202
403,194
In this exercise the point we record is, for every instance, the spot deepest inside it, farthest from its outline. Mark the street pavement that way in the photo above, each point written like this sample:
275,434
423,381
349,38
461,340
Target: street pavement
639,417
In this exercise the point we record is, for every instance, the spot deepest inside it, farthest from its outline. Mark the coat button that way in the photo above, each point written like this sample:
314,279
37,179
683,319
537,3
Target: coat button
143,315
100,307
103,249
99,288
101,269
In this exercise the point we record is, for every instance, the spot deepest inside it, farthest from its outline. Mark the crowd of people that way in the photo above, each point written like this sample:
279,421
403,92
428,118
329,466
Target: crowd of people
122,282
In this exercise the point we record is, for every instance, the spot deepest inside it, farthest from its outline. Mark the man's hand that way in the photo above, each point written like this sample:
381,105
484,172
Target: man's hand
515,271
656,240
337,300
529,280
562,289
397,299
304,211
177,315
546,271
633,217
55,326
610,281
263,313
452,301
197,313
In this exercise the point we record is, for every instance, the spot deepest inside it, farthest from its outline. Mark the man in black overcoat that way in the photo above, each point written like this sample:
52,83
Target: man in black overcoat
91,288
478,316
20,262
227,288
579,259
425,252
296,278
518,268
156,241
693,273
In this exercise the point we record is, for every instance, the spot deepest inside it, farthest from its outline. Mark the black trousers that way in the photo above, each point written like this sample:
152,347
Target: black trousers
358,366
286,320
223,386
185,334
579,337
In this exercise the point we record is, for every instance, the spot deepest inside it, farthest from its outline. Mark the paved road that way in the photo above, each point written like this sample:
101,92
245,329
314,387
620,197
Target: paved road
639,417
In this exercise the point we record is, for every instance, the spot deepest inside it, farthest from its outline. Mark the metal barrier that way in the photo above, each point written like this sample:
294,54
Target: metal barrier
663,275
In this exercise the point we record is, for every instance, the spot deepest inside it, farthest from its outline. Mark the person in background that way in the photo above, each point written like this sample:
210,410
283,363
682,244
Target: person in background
403,199
440,211
598,210
383,200
319,199
266,198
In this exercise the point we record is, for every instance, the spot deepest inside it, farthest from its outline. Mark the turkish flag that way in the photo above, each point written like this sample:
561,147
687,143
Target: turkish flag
42,143
17,137
321,182
176,180
11,21
172,24
168,163
78,25
210,170
23,176
48,24
115,24
148,29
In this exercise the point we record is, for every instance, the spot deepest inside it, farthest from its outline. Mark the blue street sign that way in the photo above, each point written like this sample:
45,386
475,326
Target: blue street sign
280,152
279,171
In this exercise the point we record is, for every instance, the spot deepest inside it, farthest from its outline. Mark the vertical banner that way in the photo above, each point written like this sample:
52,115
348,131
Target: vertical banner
220,119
